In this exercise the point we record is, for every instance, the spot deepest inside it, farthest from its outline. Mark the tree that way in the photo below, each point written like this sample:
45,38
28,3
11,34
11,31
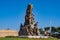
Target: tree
47,28
53,29
41,31
58,29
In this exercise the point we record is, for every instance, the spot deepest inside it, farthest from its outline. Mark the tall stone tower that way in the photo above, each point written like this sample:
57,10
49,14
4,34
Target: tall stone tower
29,18
29,27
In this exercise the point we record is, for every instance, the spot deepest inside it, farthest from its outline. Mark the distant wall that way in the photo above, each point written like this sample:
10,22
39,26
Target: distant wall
4,33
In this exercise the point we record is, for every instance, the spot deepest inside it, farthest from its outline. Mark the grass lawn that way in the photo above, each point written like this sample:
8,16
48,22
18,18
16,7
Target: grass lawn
28,39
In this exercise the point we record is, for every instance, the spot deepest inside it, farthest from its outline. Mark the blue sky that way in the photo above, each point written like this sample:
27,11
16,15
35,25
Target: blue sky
12,13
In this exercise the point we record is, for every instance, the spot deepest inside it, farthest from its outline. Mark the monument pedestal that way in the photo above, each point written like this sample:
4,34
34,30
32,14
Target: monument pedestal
34,36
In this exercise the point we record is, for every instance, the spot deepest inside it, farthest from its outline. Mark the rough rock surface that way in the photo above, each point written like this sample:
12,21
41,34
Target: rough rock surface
29,27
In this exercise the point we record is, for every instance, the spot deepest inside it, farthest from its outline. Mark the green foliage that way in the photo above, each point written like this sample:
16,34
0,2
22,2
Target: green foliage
55,29
41,31
47,28
58,29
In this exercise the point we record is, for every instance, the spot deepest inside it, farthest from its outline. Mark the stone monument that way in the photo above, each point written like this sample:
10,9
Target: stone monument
29,28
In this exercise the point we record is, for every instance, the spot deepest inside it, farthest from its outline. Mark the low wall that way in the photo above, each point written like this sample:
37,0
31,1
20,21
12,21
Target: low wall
4,33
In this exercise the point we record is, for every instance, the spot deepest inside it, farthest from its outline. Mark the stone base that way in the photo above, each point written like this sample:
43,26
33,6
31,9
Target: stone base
34,36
